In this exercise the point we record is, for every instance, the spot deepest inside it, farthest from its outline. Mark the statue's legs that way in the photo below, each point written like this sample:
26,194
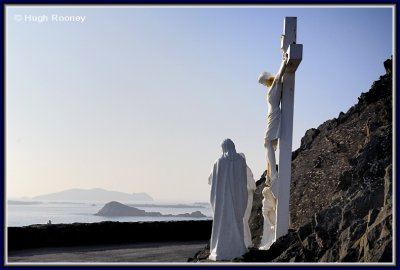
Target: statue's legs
270,147
269,194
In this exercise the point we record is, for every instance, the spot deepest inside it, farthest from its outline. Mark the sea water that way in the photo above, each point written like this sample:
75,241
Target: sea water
18,215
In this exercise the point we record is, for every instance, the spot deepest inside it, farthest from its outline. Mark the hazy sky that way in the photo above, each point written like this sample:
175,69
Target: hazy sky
140,99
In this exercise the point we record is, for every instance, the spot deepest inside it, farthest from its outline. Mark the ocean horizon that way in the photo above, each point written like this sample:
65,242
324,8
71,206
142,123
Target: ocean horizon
24,212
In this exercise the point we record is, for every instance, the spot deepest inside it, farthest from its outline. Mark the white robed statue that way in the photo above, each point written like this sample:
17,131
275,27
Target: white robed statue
229,200
272,134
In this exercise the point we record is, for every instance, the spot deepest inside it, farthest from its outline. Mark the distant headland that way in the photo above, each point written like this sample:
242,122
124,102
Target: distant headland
94,194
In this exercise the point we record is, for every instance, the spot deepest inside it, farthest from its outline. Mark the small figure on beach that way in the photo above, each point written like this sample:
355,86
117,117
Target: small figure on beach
229,200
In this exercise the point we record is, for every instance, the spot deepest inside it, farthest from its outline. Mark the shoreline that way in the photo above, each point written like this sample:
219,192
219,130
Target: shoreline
106,233
121,254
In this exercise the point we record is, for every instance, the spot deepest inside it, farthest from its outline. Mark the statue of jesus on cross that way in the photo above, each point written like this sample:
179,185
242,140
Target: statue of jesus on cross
280,97
272,133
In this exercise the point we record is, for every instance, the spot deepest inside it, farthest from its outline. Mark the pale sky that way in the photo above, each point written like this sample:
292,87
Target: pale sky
139,99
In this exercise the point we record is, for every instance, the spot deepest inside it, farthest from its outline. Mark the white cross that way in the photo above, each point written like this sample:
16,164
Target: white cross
293,53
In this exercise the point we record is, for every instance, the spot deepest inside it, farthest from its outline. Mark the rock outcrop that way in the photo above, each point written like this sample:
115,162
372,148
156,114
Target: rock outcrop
116,209
341,189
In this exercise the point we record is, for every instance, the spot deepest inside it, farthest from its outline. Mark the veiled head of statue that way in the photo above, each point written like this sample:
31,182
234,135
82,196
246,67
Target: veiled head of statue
228,149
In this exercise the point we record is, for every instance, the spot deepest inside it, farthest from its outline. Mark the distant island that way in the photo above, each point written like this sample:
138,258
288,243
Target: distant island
116,209
179,205
95,194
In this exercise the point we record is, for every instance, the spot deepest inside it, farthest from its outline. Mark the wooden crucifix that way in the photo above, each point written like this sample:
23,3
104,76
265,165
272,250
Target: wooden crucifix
292,54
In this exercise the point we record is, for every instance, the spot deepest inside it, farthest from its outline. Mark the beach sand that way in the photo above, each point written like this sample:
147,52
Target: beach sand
152,252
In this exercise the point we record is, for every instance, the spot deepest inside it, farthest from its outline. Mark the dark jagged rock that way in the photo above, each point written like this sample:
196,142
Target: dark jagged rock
201,255
388,64
308,138
341,189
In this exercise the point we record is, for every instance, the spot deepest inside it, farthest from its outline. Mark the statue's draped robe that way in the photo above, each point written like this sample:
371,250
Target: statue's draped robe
251,187
269,214
274,111
228,201
272,133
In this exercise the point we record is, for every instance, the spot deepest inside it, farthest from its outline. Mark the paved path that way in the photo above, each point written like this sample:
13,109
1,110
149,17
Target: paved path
128,253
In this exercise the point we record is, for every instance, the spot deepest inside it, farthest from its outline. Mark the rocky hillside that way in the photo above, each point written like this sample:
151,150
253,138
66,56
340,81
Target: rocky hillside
341,188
